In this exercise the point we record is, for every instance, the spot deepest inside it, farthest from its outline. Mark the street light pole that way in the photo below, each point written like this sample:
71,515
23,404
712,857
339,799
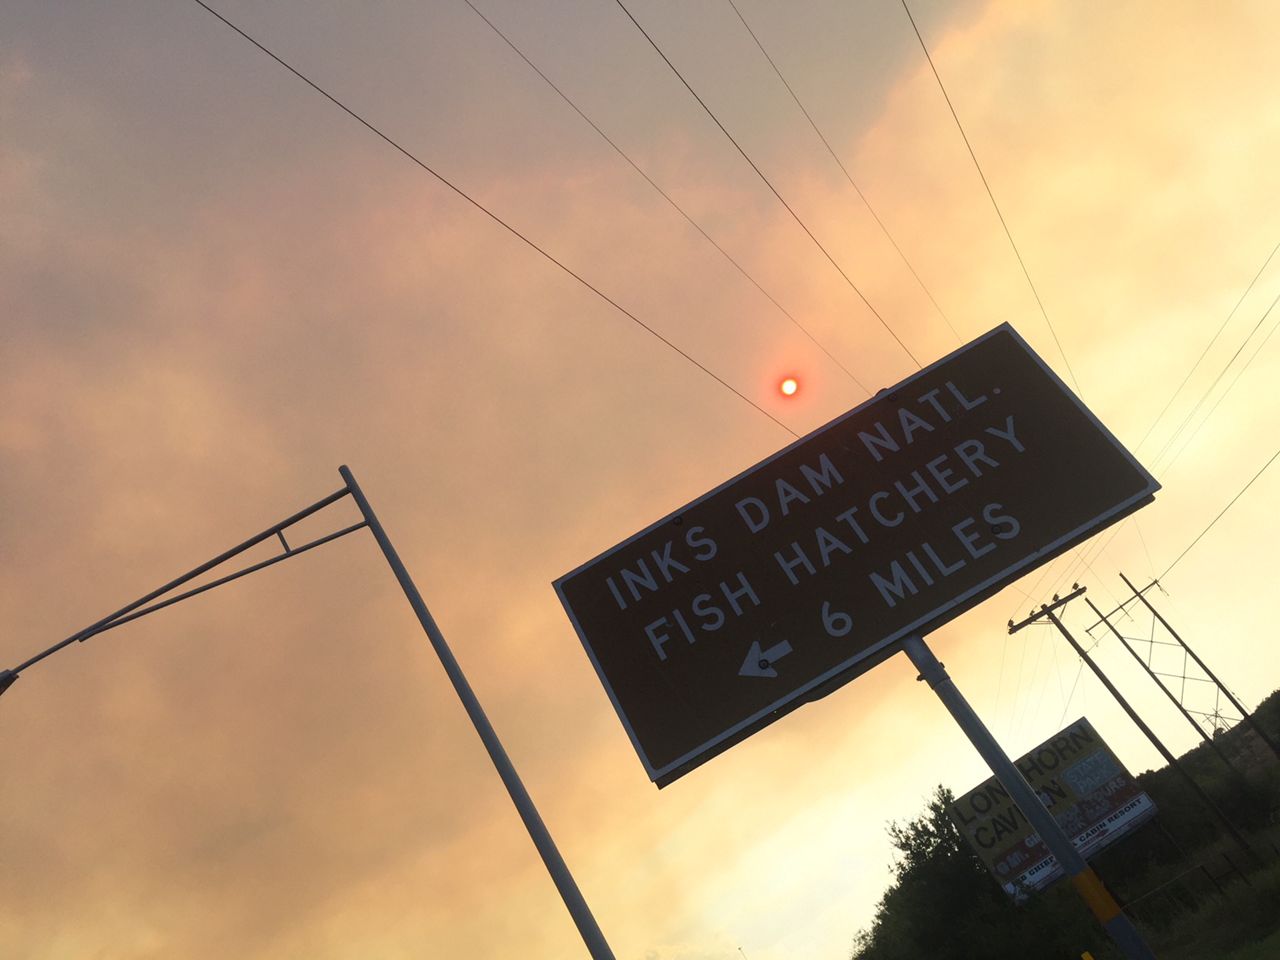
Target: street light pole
569,892
157,599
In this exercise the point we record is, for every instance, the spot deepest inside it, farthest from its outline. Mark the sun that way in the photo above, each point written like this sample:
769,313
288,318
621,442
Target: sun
789,386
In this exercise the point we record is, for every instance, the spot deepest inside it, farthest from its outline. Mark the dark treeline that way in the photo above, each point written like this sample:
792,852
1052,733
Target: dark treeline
943,903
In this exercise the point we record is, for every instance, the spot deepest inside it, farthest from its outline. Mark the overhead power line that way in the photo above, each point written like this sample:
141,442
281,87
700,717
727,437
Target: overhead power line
1222,513
1007,232
1003,223
1216,380
1236,379
1086,554
1101,546
487,212
848,176
1203,353
768,183
665,196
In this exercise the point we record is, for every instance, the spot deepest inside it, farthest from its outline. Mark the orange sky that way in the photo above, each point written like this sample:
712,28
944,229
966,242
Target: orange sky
215,287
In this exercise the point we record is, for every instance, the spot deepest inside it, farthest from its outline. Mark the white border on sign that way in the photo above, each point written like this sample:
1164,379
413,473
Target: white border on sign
879,647
1135,812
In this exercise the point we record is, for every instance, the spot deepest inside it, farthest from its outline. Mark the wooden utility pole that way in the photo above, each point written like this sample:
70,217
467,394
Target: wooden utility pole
1047,611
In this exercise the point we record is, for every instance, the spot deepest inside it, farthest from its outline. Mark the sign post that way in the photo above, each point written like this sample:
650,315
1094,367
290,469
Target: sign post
1086,882
847,546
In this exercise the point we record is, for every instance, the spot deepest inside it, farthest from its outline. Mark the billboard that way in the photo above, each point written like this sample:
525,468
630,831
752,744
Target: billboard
807,569
1084,786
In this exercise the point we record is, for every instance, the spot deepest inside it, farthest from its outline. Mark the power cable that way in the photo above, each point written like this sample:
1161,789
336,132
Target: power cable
1082,558
1028,703
1151,564
848,176
1078,559
1220,515
1057,670
853,286
1102,546
1086,557
1234,380
665,196
1075,683
1216,380
486,211
973,156
1003,223
1203,353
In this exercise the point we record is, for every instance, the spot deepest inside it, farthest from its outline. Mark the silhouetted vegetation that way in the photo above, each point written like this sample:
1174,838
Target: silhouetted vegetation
1194,892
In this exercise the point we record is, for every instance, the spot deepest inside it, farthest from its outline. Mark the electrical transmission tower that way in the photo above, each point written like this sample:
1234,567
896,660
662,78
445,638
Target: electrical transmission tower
1185,680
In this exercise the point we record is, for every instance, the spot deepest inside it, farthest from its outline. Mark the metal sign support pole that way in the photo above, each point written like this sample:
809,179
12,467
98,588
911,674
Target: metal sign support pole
1087,884
578,909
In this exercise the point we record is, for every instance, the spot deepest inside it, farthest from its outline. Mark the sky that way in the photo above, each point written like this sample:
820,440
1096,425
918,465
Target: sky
216,287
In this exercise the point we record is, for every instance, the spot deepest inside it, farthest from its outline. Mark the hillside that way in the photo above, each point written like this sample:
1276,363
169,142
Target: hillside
1194,891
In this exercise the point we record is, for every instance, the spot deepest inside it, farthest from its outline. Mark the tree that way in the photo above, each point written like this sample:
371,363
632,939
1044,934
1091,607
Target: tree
943,904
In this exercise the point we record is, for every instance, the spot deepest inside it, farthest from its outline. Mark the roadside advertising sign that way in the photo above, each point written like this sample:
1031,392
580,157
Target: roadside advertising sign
1084,786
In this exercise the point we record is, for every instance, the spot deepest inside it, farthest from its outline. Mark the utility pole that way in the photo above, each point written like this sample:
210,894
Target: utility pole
1245,715
1047,611
1102,618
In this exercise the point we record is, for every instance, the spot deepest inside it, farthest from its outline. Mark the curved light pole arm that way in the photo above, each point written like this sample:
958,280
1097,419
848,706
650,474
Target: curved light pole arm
7,677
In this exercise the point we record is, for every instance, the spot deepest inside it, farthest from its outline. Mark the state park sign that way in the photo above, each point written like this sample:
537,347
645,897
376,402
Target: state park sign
804,571
1089,792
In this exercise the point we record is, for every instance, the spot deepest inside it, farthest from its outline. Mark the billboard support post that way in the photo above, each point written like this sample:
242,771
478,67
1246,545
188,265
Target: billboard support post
1087,884
559,870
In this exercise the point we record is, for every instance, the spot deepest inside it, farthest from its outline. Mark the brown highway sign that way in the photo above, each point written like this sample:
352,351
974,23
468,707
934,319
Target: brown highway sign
804,571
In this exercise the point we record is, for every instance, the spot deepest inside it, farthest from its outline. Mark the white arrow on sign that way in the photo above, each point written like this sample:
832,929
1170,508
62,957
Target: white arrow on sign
759,663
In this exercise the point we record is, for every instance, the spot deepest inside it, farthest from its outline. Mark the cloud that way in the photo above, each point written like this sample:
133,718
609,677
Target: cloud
211,301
